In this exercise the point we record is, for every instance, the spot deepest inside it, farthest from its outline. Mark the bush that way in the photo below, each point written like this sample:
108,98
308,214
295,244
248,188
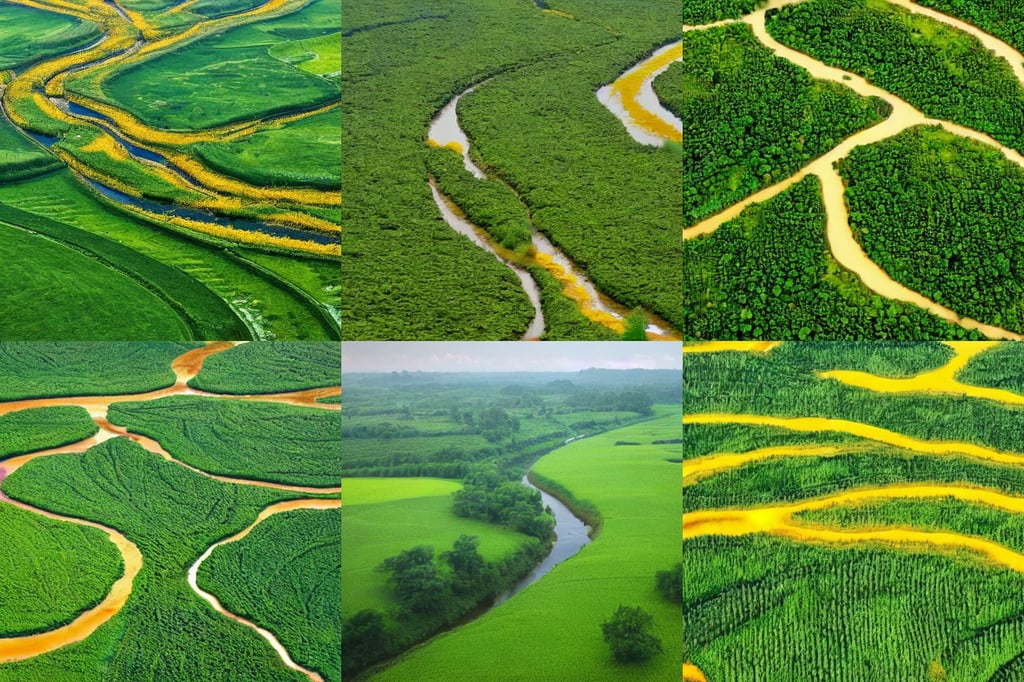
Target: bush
627,633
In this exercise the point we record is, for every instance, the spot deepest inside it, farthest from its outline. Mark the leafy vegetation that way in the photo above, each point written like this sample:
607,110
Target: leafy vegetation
997,17
751,119
254,440
43,427
172,515
52,571
945,230
769,274
697,12
270,367
996,368
46,370
941,70
284,576
627,633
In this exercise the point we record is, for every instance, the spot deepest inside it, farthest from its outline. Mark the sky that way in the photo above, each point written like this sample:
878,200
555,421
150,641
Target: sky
507,356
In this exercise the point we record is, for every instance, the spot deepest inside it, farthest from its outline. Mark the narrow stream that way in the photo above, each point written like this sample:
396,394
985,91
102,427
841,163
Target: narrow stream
570,538
445,131
632,99
481,239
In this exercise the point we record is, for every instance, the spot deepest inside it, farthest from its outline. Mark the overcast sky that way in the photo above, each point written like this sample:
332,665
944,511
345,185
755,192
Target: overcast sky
507,356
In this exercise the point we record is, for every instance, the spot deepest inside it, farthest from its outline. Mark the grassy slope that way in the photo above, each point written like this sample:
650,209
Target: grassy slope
59,197
51,571
28,34
231,438
552,629
73,296
384,516
172,515
284,576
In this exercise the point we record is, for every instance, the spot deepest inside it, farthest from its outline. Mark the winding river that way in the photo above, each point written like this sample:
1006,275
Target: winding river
185,367
445,131
632,99
571,535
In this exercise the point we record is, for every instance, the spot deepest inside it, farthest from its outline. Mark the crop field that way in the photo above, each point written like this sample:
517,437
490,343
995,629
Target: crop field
162,155
551,630
125,558
847,95
592,207
445,538
853,510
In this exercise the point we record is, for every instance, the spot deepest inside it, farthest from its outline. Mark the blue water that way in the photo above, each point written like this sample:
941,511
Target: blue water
203,216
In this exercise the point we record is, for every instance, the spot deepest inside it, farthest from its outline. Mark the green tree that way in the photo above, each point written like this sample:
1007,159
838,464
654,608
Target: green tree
636,326
670,583
628,634
363,636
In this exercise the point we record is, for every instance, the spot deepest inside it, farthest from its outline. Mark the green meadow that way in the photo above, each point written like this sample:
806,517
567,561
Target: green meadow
552,630
28,34
384,516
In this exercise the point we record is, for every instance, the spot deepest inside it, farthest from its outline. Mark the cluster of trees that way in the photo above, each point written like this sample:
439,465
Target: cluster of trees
706,11
612,401
43,427
949,228
431,592
628,635
270,367
489,495
487,204
943,71
768,274
751,119
1001,18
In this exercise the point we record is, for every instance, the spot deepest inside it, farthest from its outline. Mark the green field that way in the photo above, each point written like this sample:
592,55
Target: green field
227,77
284,576
551,630
230,437
51,571
536,125
36,370
271,368
41,428
28,34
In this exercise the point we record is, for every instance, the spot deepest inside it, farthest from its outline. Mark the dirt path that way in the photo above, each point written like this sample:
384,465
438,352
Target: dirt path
842,243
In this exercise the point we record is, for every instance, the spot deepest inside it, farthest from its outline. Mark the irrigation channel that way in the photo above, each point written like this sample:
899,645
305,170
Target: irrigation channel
445,131
38,94
844,247
779,519
185,367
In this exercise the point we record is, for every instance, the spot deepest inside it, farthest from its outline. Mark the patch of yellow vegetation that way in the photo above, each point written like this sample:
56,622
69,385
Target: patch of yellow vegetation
724,346
627,87
558,13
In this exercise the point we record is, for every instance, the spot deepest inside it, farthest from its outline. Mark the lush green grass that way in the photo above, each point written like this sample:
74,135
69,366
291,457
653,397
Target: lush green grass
751,119
1000,18
164,631
263,441
948,228
285,576
52,571
73,296
273,306
552,629
270,367
320,55
28,34
43,370
384,516
223,78
44,427
306,152
997,368
769,274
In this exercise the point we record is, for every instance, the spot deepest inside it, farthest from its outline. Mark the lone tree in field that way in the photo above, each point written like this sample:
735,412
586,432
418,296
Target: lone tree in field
628,635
